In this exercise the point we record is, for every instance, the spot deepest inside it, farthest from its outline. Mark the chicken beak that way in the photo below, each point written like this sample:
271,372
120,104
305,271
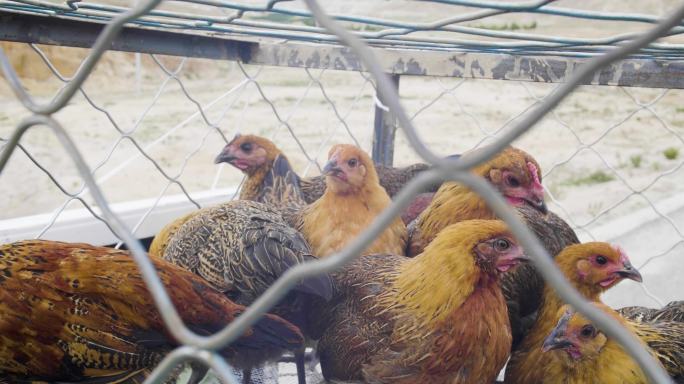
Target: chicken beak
629,272
555,342
226,155
331,168
557,339
505,263
538,203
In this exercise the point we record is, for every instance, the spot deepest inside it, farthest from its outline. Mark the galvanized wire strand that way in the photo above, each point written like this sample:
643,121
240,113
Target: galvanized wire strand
547,268
174,75
280,119
166,309
102,43
556,11
168,19
452,171
184,164
76,196
634,191
73,196
332,105
124,135
584,73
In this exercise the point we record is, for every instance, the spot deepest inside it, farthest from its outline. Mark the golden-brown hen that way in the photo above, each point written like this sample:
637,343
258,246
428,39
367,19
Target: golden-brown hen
591,268
582,353
75,312
437,318
352,200
513,172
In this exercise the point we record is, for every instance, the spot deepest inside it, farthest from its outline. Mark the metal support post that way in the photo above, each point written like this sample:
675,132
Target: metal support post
384,129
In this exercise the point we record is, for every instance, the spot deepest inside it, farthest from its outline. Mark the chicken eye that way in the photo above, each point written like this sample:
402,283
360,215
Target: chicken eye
588,331
512,181
601,260
502,245
352,162
246,147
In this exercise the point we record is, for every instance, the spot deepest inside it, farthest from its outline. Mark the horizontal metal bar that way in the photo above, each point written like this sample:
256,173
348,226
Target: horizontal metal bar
649,73
66,32
548,69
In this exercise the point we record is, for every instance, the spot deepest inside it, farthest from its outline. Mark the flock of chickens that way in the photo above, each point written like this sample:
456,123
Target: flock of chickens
443,295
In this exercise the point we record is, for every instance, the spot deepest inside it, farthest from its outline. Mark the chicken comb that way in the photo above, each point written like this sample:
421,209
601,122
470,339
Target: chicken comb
535,173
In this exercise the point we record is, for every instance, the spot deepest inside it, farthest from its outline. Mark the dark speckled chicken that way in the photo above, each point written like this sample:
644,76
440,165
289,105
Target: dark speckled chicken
241,248
79,313
673,311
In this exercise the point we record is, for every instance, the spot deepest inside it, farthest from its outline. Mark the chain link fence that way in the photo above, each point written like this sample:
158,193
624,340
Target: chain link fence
143,144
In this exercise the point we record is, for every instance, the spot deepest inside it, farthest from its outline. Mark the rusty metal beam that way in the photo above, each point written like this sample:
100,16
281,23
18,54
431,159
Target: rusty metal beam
58,30
27,28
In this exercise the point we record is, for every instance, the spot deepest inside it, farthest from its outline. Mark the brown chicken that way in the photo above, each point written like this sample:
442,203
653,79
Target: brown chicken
523,288
437,318
352,200
270,178
75,312
513,172
241,248
591,268
583,354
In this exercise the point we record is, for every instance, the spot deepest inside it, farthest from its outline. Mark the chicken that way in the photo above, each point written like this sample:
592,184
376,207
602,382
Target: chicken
161,239
513,172
673,311
582,353
437,318
73,312
241,248
591,268
523,288
270,180
270,177
352,200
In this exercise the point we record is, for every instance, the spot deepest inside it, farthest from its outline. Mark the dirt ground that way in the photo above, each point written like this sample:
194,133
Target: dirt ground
598,148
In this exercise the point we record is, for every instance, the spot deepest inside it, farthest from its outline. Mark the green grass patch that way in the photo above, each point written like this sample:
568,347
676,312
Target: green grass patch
597,177
636,160
671,153
507,26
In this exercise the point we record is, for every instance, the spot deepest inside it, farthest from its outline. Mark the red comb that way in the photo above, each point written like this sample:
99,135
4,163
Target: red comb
534,172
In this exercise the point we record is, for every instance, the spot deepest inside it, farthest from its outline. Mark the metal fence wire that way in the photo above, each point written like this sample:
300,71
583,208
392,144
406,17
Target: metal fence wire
370,76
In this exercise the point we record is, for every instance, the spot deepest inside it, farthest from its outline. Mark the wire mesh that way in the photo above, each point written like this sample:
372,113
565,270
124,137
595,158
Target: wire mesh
348,120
